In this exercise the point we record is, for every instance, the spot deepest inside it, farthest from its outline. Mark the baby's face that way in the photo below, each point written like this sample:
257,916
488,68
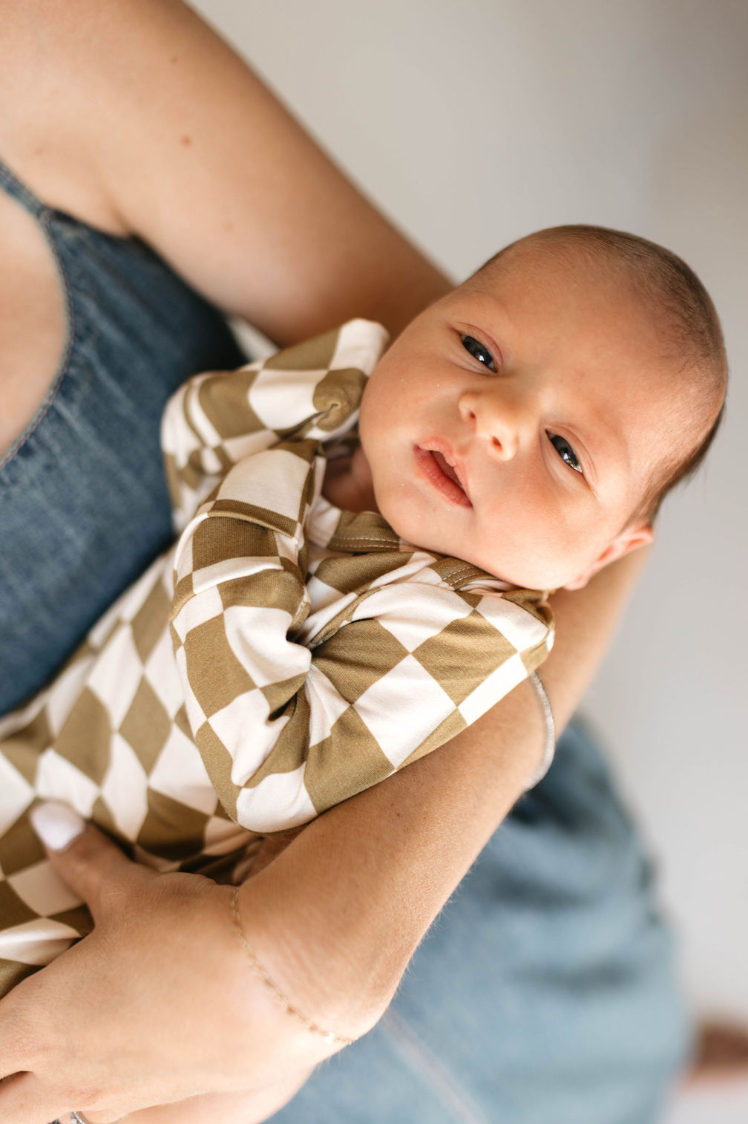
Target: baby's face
516,422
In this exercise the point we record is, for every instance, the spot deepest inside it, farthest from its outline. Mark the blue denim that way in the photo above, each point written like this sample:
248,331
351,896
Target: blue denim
83,501
545,991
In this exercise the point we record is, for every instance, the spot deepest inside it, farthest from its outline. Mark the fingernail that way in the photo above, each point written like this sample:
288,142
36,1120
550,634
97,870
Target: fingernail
57,825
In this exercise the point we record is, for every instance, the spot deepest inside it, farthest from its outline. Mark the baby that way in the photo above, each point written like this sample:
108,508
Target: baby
296,646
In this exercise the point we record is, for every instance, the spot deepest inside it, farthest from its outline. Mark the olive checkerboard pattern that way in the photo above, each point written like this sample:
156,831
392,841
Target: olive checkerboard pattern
281,657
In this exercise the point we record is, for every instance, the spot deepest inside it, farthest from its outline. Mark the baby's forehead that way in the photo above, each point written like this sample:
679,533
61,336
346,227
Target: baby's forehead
668,302
534,259
543,294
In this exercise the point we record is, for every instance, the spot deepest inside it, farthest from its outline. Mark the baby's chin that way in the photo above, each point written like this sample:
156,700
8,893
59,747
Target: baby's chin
521,576
524,572
520,580
545,579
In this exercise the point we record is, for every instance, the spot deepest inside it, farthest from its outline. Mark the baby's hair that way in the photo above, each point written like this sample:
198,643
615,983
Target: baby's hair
690,326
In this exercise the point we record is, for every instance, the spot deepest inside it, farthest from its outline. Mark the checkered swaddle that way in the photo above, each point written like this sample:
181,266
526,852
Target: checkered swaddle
283,656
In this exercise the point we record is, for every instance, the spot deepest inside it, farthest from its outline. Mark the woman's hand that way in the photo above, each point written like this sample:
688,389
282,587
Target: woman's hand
159,1003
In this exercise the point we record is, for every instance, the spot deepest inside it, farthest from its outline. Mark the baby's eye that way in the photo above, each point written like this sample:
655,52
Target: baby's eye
479,352
565,451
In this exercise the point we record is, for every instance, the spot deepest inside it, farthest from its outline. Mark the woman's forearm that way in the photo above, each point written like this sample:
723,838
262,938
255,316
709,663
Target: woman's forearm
586,621
336,917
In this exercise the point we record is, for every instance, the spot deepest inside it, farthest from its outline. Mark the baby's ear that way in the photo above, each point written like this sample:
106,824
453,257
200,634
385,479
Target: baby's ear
630,539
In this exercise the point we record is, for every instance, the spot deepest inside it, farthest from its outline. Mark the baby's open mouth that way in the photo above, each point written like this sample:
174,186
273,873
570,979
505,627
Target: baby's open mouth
446,468
437,469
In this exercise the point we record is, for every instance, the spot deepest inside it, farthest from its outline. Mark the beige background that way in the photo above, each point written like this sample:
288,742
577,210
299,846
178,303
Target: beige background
472,122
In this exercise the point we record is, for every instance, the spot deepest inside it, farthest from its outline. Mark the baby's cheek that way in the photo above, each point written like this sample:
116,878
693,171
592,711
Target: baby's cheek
409,517
518,549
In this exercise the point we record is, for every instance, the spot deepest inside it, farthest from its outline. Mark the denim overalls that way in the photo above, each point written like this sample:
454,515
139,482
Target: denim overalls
83,501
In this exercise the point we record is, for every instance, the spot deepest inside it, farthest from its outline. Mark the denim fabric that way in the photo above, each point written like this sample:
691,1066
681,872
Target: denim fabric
83,500
544,994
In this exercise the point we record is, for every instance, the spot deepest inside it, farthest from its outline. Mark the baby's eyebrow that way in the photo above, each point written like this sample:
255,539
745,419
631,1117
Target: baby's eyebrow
493,309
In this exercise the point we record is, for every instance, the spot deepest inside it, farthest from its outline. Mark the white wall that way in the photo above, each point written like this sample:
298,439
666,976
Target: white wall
472,122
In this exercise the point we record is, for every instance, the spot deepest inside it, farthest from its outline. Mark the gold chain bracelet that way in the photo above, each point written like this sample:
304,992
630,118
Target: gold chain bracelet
326,1034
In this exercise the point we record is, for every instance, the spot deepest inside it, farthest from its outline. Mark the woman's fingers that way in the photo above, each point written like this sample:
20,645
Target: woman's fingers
83,857
119,1020
98,872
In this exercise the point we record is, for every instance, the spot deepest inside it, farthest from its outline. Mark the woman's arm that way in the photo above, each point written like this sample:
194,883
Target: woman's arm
366,879
135,116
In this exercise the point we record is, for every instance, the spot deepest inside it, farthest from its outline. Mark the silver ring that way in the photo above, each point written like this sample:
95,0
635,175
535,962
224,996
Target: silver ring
79,1118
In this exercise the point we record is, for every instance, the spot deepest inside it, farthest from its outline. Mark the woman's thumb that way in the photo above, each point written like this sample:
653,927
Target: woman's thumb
83,857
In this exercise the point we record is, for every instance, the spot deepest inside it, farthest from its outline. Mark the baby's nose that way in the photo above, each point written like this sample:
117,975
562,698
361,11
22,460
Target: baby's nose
493,420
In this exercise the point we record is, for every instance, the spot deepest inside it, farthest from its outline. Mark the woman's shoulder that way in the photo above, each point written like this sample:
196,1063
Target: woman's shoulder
136,117
57,85
102,105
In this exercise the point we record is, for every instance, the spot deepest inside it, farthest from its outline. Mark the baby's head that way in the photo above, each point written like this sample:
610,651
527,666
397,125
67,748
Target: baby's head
532,420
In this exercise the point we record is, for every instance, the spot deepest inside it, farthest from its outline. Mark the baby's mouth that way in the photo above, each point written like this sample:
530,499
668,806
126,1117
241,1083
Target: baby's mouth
446,468
437,469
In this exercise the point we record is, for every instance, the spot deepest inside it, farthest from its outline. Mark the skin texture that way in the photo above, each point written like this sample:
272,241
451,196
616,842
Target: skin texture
257,218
